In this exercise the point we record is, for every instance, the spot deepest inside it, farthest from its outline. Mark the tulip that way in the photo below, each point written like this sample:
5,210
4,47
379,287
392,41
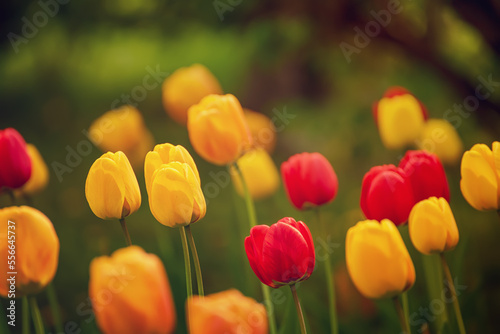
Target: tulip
432,226
386,192
262,129
130,293
31,235
39,173
111,188
218,130
282,254
426,175
15,166
438,136
186,87
260,173
480,183
309,180
400,118
227,312
175,196
377,259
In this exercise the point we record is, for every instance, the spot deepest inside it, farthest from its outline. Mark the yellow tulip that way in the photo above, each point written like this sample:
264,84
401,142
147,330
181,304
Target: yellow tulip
228,312
432,226
218,130
39,173
377,259
112,189
186,87
260,173
262,129
175,196
438,136
480,183
30,247
131,294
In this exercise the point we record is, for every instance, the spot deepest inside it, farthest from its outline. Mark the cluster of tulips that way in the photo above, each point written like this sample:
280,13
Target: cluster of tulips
415,193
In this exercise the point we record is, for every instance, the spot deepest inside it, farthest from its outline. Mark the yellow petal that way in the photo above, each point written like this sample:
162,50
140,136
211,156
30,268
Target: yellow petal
132,192
152,162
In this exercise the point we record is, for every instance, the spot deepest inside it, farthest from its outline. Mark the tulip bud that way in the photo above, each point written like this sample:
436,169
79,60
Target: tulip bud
399,117
426,175
15,166
260,173
226,312
39,173
377,259
29,247
309,180
130,293
175,196
480,183
282,254
432,226
218,130
386,193
441,138
186,87
262,129
111,188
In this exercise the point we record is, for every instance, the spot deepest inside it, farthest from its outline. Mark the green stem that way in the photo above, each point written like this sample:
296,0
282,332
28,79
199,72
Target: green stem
125,231
401,315
406,307
329,282
187,263
26,316
197,267
54,307
303,329
37,317
456,305
12,197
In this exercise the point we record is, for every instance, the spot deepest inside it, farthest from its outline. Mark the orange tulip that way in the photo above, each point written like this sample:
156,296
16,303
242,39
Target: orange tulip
262,129
130,293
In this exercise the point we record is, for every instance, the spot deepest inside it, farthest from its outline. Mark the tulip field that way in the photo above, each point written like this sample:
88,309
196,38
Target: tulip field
231,167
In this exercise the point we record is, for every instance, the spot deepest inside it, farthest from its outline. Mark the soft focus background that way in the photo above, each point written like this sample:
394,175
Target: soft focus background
277,57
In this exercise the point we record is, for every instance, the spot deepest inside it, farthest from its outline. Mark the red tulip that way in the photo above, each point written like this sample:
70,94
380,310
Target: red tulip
15,166
282,254
386,192
426,174
309,180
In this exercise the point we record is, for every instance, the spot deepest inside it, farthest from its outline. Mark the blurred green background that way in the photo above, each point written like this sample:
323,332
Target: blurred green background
274,56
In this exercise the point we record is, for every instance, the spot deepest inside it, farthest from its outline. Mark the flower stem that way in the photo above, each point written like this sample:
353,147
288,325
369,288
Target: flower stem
26,316
54,307
197,267
187,263
456,305
125,231
329,282
37,317
303,329
401,315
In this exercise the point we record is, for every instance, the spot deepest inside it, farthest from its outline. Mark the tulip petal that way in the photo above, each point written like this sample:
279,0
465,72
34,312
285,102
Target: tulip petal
253,248
152,162
479,184
132,192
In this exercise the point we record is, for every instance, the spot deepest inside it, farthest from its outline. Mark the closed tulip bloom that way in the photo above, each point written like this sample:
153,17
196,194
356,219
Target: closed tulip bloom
31,235
400,118
39,173
309,180
175,196
438,136
15,166
218,130
130,293
432,226
186,87
281,254
111,188
228,312
262,129
480,183
426,174
260,173
377,259
386,193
